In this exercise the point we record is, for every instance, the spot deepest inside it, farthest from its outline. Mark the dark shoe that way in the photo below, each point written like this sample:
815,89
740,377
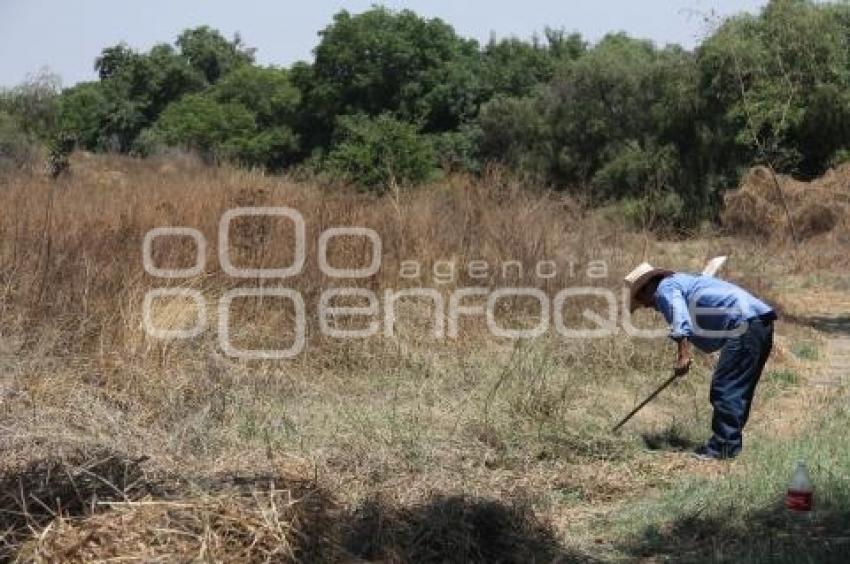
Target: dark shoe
705,452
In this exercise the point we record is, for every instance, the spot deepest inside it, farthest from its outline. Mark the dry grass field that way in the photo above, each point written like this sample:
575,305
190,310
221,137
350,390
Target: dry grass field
394,448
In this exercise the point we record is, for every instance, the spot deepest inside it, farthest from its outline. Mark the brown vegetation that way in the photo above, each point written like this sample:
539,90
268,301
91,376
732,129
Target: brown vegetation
392,449
817,208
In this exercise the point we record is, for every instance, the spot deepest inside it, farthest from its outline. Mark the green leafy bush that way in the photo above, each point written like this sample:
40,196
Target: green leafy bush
84,113
458,150
202,124
379,152
515,132
663,211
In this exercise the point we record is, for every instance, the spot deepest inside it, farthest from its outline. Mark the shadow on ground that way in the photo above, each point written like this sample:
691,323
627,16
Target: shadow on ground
453,529
838,325
767,535
441,529
669,439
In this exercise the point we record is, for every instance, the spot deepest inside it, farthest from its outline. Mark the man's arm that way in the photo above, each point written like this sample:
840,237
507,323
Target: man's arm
683,358
672,305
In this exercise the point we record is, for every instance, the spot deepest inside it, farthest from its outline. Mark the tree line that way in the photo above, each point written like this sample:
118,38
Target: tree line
392,98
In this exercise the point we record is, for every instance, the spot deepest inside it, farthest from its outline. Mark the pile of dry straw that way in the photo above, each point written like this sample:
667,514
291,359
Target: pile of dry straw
776,206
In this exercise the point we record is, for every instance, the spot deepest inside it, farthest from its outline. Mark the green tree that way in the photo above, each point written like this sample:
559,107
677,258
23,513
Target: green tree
269,95
168,77
563,45
83,114
515,132
391,94
620,120
211,54
599,102
113,60
246,117
384,61
776,85
266,91
134,89
514,67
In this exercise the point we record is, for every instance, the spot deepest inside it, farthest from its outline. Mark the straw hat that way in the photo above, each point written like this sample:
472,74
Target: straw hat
637,279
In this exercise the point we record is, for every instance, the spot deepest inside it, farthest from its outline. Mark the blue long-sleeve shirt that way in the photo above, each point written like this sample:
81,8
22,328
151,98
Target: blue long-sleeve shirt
698,307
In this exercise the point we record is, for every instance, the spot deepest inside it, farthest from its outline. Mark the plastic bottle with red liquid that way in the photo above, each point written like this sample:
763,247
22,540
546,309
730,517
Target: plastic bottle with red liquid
799,500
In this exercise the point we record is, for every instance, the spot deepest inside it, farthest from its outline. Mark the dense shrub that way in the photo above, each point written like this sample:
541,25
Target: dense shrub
244,118
661,211
458,151
380,152
515,131
203,124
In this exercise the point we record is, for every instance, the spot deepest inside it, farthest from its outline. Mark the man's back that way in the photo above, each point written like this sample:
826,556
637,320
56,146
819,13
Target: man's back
695,306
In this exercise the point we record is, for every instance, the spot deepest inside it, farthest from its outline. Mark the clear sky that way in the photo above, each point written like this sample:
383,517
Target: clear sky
66,35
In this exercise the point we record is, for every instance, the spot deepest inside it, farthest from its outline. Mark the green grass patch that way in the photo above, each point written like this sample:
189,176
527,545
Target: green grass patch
739,516
783,377
805,350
